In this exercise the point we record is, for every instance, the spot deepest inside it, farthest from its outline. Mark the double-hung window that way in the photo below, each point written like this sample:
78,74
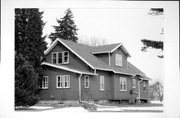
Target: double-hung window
63,81
54,57
102,83
123,84
86,81
118,60
133,83
45,82
60,57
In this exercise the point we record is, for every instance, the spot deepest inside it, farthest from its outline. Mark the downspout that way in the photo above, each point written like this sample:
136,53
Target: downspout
139,95
80,87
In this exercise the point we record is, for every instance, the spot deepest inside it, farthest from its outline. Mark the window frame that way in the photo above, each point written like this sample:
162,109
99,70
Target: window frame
54,58
102,85
133,83
63,57
123,83
61,80
86,79
118,60
45,82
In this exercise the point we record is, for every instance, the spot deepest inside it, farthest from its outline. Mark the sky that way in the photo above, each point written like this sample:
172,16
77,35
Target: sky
117,25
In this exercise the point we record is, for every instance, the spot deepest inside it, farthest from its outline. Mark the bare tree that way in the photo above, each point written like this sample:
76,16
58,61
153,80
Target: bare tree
92,41
157,87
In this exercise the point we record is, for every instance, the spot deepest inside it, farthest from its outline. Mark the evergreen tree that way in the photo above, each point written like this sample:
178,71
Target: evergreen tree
66,29
26,88
150,43
31,45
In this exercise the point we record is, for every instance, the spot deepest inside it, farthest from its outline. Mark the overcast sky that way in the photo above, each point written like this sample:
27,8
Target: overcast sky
115,25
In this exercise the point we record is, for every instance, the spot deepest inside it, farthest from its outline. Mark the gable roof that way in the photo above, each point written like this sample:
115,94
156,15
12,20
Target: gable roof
84,52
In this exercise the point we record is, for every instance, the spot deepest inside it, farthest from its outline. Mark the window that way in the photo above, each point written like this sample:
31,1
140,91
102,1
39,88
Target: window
118,60
133,83
102,83
54,57
66,57
60,60
45,82
123,84
63,81
60,57
144,86
86,81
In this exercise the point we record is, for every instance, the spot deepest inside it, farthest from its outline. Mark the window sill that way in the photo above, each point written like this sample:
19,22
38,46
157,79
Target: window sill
102,90
44,88
123,90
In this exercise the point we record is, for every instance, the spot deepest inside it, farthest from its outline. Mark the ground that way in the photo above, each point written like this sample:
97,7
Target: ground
53,106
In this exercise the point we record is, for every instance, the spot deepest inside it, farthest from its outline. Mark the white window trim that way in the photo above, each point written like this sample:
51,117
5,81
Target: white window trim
118,60
86,81
63,81
67,58
57,57
52,57
123,80
45,87
102,83
68,81
133,84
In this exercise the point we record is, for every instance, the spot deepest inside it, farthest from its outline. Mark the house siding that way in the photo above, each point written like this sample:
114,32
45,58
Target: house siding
103,57
74,61
94,92
119,95
71,93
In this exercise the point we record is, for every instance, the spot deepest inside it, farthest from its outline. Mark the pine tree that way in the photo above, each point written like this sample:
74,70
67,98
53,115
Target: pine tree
26,87
66,29
31,45
150,43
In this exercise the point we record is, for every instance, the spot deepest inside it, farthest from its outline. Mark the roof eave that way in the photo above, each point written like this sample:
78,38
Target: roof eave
67,69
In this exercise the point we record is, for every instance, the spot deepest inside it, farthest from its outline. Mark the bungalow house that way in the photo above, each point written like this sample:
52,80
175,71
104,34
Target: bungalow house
75,71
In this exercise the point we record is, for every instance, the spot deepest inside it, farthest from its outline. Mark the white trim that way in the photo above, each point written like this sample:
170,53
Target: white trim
100,52
57,57
47,82
125,50
66,68
118,60
123,80
55,42
86,81
102,83
63,80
